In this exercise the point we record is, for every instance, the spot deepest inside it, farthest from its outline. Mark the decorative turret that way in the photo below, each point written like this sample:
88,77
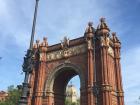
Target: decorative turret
89,30
115,38
117,53
65,43
41,48
117,45
36,45
102,28
44,45
89,34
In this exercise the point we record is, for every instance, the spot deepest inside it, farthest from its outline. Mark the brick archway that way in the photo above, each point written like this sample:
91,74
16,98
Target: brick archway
57,81
95,57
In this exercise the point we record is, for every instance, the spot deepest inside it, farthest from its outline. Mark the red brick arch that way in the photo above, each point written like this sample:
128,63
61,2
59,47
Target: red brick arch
60,69
95,57
58,79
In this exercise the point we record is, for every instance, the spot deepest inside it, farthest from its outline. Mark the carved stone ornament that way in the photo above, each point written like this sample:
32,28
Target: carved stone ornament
114,93
28,61
65,43
76,50
42,57
90,45
110,51
105,41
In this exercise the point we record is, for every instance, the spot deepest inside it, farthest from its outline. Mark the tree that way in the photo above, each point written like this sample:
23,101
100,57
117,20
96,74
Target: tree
68,102
13,96
78,101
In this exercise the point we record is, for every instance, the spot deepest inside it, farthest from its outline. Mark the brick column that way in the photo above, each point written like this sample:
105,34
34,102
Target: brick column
33,75
41,73
90,77
120,93
89,33
40,84
31,84
102,45
105,86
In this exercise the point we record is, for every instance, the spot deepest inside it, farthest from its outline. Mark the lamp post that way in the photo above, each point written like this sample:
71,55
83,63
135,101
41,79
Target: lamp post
28,62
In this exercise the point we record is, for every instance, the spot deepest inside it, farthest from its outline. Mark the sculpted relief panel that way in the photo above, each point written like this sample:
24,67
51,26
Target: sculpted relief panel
110,51
64,53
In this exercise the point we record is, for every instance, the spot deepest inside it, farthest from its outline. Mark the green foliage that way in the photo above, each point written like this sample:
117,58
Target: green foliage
13,96
68,102
78,101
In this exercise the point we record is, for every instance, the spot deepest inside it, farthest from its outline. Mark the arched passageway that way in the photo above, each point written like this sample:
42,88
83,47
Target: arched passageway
58,80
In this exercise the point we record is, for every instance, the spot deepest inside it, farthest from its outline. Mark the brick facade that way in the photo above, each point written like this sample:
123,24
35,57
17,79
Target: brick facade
3,95
95,57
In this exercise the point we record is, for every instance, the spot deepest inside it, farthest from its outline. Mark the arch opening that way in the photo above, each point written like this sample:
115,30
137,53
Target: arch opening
73,91
59,81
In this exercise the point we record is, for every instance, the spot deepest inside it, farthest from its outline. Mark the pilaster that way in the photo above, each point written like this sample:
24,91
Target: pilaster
89,39
41,73
103,82
117,46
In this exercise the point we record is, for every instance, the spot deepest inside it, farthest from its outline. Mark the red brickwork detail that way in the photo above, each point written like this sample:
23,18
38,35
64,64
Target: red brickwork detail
96,61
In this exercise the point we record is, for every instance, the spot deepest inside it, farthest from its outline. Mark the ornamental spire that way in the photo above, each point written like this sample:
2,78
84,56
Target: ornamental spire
115,38
102,28
103,24
89,30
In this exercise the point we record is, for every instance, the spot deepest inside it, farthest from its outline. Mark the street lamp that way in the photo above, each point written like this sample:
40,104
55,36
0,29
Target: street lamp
28,62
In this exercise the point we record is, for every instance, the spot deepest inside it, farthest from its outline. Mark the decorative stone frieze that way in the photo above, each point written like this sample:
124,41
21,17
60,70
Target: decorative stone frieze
60,54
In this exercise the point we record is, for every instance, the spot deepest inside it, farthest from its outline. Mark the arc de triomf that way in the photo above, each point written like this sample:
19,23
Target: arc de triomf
94,57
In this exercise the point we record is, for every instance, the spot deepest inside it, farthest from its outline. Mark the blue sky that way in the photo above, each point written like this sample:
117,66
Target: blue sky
57,19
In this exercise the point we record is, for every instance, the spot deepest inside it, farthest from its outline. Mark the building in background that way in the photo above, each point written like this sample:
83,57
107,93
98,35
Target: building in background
3,95
72,93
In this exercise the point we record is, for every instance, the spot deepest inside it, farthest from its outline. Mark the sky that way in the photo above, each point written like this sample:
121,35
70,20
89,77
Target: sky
59,18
